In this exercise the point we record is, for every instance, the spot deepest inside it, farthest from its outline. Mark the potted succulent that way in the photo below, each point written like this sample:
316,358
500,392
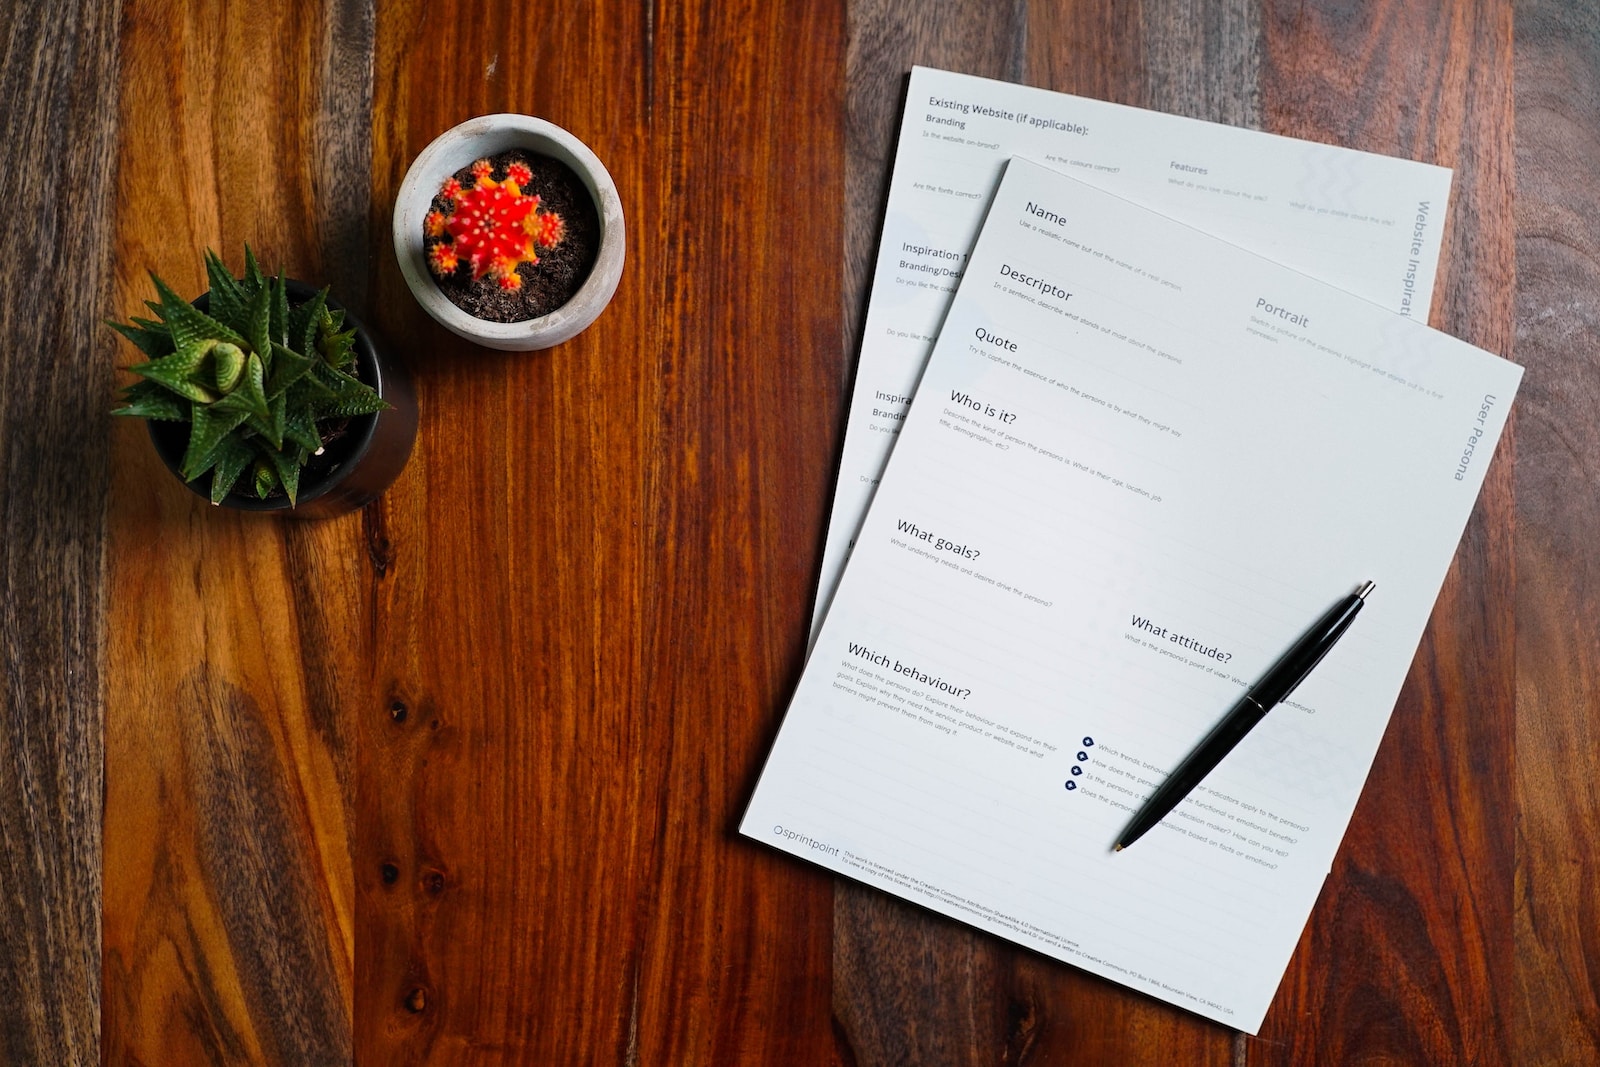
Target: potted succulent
509,232
274,390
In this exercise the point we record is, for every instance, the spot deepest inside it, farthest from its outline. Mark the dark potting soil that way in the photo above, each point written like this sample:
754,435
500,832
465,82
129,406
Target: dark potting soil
560,272
335,453
172,440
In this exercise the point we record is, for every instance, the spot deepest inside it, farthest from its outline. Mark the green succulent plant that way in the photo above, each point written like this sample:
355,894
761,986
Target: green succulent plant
257,380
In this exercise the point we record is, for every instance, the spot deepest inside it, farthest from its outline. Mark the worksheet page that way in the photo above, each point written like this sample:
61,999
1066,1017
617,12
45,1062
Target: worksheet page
1366,223
1141,462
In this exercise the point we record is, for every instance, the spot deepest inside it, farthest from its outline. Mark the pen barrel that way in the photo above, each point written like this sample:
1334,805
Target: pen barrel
1293,666
1196,765
1209,752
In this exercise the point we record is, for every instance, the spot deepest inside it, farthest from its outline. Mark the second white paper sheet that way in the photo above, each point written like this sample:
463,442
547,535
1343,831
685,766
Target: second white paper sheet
1140,463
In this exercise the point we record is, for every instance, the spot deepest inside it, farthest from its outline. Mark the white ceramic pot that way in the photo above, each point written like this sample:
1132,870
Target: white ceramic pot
480,138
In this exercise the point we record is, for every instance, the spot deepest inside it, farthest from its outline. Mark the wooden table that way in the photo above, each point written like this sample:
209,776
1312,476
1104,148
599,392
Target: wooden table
454,780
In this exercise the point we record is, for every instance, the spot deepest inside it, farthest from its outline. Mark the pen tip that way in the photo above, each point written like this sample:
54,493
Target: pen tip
1366,587
1117,847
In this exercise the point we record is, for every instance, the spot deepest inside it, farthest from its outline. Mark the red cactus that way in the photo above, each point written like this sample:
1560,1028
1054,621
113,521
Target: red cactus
492,227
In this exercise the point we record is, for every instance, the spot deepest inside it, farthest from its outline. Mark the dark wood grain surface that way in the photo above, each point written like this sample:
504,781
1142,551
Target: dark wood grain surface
1553,1013
585,621
58,77
454,780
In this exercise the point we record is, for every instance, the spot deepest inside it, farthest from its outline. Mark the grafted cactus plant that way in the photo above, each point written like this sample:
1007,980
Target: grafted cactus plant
491,226
258,381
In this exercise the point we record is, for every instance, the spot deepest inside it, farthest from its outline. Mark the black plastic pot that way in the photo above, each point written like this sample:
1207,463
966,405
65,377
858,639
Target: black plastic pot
367,457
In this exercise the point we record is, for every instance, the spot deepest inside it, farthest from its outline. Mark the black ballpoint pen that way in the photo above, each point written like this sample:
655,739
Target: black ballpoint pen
1274,688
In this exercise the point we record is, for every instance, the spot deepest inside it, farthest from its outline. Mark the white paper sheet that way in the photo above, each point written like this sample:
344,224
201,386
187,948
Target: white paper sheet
1366,223
1141,462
